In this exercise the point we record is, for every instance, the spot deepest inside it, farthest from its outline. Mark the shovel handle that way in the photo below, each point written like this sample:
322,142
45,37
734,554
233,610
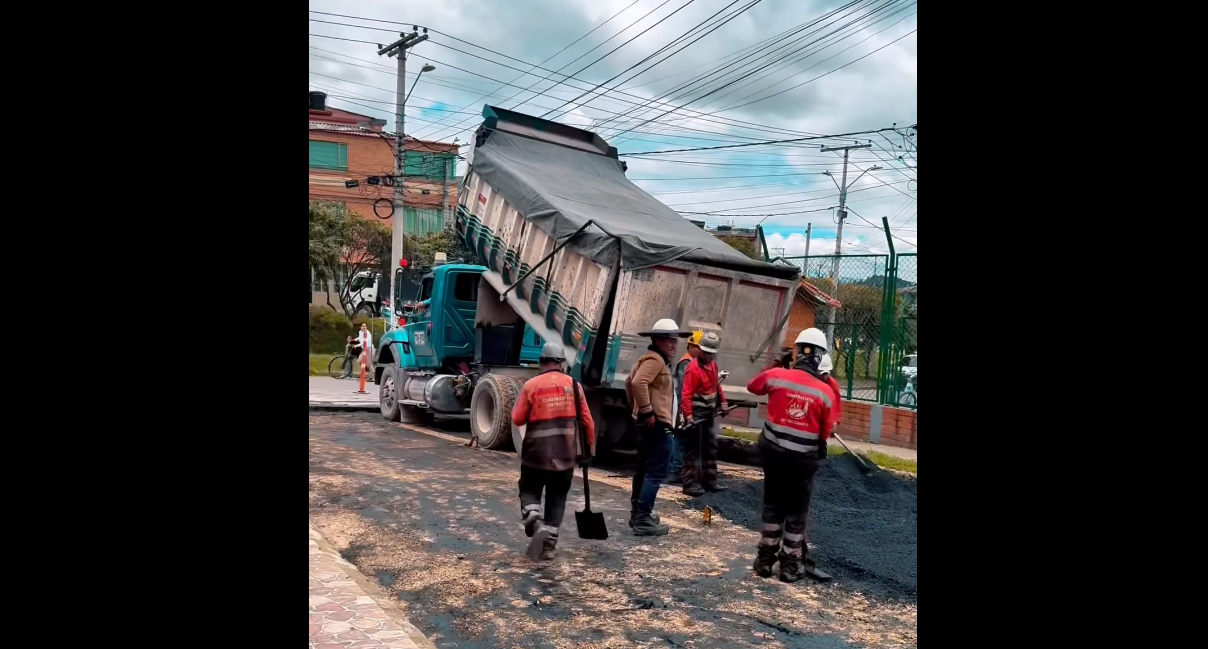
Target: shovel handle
586,490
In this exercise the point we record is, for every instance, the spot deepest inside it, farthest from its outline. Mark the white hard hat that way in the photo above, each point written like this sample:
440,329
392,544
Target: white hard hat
710,343
665,328
552,351
825,365
813,337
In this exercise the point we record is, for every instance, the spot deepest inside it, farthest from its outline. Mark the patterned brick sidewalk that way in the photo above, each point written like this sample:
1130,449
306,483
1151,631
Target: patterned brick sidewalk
342,615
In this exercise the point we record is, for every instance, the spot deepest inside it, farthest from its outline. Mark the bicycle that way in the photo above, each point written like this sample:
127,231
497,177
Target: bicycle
910,396
335,367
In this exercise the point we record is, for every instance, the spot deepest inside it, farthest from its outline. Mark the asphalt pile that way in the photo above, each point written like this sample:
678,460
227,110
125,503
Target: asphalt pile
864,527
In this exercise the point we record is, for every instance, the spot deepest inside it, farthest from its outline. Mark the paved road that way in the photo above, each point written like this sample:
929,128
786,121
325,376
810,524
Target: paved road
437,525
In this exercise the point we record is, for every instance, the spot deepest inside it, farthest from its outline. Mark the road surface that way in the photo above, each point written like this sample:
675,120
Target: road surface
437,525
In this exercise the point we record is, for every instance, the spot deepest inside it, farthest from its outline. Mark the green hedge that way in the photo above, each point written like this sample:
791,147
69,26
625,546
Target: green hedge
329,329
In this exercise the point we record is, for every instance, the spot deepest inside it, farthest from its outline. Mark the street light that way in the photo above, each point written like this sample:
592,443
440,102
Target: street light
428,67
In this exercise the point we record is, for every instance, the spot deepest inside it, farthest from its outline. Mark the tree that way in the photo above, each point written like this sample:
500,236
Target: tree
422,249
745,245
343,244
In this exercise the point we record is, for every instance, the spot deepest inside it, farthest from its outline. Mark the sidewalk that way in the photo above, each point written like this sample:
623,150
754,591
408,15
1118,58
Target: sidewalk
342,612
326,392
895,451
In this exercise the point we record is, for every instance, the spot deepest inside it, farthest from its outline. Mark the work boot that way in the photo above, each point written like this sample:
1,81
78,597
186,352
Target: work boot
791,569
633,516
531,526
764,560
714,488
549,548
693,489
645,525
674,478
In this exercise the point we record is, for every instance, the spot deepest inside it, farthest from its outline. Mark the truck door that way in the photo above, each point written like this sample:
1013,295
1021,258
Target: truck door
419,327
456,321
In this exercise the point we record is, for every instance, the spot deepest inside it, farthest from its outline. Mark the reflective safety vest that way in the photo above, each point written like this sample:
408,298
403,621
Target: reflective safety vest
547,407
702,396
800,410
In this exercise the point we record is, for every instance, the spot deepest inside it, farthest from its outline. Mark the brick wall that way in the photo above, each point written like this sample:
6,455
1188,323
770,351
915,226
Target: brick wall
893,426
374,157
887,425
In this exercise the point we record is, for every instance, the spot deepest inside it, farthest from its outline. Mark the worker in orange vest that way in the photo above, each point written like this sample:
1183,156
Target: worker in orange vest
552,406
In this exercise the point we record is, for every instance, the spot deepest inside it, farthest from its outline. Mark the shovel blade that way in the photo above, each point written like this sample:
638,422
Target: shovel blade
591,525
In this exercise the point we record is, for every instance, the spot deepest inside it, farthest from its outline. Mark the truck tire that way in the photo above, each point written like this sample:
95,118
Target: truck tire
388,393
393,378
491,411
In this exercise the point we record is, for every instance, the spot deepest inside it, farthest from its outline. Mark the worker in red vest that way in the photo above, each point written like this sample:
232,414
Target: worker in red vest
702,403
792,445
551,447
825,367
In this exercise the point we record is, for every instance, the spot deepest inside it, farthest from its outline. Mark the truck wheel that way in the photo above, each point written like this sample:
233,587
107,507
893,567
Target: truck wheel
491,411
388,393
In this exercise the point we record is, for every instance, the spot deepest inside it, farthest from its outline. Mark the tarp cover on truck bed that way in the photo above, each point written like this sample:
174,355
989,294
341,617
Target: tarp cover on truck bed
559,189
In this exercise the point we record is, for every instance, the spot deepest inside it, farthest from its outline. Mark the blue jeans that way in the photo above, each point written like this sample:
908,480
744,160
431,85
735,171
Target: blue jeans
654,449
676,465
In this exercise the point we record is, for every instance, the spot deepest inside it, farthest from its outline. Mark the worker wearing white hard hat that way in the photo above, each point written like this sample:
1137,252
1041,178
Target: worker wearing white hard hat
792,446
702,403
825,368
652,394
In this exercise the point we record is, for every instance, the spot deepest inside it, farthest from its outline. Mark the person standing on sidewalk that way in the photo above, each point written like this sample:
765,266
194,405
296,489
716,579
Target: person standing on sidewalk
676,465
551,447
792,446
366,339
651,391
702,402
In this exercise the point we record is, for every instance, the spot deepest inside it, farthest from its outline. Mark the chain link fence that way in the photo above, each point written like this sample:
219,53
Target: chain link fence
874,334
902,378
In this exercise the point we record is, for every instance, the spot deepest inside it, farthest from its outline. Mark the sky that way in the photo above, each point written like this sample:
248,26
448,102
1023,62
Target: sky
740,73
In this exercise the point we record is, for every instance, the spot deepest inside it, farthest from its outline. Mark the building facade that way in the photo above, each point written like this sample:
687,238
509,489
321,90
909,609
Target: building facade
351,149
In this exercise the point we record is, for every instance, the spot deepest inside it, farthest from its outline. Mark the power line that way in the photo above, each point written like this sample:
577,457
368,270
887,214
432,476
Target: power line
547,60
768,142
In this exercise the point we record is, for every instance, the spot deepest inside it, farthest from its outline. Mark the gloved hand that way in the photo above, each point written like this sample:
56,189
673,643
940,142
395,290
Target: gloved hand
821,449
585,461
646,419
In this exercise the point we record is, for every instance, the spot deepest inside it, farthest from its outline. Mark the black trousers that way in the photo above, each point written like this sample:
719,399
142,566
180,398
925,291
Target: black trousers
700,453
788,488
555,484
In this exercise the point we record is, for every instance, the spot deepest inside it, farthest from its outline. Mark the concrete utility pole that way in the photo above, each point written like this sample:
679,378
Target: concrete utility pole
830,328
399,49
808,227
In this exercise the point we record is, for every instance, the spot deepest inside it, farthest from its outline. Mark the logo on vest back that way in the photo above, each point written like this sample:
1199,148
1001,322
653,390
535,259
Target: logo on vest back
798,406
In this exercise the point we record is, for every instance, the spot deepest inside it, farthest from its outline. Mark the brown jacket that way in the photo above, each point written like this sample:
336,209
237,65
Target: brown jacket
650,387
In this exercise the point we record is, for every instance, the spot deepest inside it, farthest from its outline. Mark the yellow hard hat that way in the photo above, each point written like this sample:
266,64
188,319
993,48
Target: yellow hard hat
695,338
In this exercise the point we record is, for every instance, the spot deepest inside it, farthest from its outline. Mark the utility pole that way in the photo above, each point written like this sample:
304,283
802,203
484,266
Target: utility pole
398,49
808,227
830,328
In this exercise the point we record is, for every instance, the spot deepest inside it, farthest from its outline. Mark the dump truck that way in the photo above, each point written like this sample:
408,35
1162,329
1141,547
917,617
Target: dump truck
568,250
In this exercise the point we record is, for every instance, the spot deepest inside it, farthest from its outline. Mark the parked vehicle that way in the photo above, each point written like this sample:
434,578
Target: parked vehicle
569,250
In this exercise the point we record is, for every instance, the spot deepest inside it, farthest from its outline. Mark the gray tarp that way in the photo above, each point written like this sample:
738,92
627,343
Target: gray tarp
559,189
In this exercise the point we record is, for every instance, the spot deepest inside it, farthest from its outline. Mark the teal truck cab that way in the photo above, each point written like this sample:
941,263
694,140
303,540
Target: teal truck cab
570,251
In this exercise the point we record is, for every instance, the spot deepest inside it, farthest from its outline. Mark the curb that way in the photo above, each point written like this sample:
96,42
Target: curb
343,407
373,591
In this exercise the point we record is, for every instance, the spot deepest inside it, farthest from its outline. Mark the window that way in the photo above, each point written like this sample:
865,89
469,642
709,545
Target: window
328,155
465,287
425,289
427,165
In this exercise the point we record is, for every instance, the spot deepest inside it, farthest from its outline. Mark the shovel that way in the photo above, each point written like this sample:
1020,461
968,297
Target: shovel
591,524
863,467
